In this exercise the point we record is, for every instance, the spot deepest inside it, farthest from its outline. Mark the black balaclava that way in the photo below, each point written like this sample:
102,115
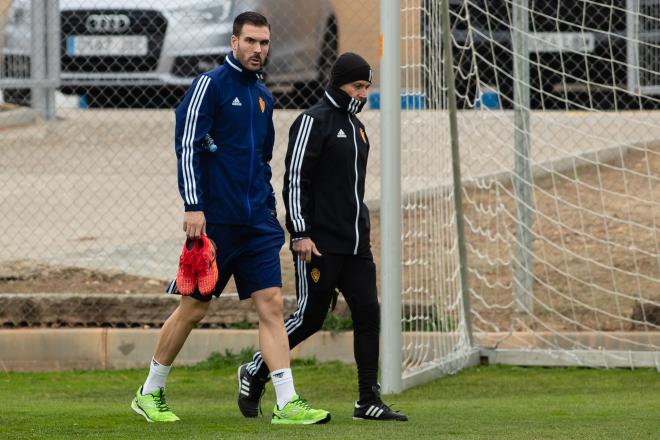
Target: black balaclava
349,67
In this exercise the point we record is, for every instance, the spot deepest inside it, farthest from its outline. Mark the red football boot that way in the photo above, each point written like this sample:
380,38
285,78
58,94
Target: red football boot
186,278
206,266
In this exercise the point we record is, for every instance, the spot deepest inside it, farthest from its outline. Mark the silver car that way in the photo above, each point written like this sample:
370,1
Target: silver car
145,53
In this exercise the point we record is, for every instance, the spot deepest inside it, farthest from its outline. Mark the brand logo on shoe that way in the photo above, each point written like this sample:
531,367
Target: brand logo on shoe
147,404
341,134
236,102
291,413
316,274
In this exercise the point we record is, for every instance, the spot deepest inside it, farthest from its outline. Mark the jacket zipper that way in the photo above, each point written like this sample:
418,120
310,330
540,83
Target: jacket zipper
357,199
247,197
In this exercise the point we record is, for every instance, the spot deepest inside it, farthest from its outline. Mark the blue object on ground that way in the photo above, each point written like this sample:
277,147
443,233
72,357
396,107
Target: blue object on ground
488,99
412,101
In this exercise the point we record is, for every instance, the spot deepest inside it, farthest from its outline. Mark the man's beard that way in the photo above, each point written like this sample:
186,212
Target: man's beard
244,61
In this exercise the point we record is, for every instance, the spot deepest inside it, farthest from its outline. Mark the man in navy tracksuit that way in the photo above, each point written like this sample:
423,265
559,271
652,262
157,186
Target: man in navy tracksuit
227,195
326,166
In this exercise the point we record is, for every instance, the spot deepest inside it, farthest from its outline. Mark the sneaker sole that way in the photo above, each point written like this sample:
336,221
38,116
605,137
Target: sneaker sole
238,376
138,410
326,419
380,420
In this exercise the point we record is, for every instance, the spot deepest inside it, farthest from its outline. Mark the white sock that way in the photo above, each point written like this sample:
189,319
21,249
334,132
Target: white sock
157,377
283,384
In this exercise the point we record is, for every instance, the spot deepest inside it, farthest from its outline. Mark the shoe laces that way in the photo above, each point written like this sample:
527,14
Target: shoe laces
380,404
302,403
161,404
203,266
388,408
206,256
187,260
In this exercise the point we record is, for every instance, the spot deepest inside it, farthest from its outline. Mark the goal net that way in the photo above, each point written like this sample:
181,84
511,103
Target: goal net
559,136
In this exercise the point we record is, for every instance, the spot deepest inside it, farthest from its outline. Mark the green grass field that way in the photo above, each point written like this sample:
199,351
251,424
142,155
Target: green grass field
491,402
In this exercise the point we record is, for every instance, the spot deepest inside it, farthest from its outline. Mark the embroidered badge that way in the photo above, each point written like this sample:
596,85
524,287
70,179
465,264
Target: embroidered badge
363,134
262,104
316,274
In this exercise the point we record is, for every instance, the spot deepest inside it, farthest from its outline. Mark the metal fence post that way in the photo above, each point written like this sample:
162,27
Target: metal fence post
448,62
53,57
38,64
390,202
523,175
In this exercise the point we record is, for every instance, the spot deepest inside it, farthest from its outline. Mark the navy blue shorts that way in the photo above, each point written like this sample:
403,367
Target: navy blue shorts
251,253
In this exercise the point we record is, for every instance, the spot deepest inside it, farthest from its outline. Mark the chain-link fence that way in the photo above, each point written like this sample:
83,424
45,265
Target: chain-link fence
88,171
94,187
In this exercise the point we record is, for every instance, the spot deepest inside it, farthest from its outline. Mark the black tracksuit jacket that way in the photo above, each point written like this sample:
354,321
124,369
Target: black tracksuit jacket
326,164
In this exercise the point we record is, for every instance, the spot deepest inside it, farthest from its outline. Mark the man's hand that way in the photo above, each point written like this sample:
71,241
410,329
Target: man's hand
194,224
305,247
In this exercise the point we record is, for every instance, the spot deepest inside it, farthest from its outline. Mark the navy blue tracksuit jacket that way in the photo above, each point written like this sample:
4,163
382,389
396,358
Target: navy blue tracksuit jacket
232,184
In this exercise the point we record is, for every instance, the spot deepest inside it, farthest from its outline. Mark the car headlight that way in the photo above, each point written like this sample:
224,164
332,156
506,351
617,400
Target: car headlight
204,13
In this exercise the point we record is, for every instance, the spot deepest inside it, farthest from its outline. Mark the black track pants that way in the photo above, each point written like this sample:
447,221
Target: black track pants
355,277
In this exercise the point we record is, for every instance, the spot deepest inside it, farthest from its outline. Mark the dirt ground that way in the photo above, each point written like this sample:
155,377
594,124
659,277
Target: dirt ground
23,276
592,265
595,240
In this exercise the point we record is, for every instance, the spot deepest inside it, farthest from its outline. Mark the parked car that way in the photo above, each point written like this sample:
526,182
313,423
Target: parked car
145,53
582,53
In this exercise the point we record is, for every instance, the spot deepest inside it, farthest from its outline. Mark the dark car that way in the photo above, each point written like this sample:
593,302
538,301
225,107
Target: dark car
144,53
583,54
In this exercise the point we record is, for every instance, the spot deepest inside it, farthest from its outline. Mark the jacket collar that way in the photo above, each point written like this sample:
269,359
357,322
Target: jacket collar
237,69
341,100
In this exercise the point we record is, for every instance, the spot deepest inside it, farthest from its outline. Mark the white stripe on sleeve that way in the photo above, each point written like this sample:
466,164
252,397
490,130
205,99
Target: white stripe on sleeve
189,184
294,172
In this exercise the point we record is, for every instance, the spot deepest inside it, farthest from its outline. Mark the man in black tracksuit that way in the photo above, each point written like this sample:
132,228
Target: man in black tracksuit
326,166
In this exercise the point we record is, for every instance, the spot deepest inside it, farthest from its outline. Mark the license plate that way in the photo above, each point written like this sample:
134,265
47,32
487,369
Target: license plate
103,45
562,42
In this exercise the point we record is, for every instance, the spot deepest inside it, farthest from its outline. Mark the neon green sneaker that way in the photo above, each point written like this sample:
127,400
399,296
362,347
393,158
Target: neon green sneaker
153,406
298,412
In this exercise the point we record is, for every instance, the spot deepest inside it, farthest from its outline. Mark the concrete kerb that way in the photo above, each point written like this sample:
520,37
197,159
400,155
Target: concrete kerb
46,349
111,348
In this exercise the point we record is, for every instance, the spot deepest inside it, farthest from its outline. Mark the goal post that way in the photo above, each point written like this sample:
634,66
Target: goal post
390,207
435,337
